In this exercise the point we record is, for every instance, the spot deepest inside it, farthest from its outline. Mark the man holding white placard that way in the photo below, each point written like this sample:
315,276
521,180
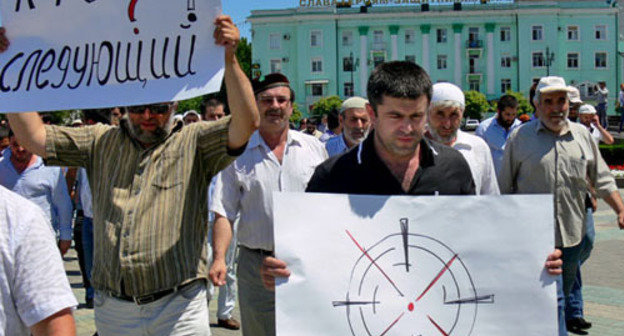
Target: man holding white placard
150,182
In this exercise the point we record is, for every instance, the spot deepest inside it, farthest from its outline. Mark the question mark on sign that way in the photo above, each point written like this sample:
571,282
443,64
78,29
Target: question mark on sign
131,8
191,16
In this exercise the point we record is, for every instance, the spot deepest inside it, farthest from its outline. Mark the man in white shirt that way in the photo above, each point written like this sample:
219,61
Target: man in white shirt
444,117
32,302
275,159
589,118
356,124
602,96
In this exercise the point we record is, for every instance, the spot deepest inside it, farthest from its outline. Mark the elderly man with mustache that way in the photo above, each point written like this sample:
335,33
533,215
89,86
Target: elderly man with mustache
276,159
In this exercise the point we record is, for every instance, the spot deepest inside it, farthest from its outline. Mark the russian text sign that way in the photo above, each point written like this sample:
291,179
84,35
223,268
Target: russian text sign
100,53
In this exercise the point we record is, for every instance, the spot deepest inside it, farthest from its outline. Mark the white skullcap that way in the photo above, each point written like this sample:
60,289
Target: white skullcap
447,91
587,109
552,84
353,102
191,112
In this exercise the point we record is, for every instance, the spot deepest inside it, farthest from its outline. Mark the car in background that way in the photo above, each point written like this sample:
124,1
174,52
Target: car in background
470,124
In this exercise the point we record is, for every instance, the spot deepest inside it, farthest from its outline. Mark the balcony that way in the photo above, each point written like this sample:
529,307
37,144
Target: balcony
474,44
378,46
475,76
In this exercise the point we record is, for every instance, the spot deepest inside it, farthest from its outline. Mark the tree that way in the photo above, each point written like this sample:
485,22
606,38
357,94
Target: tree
476,104
243,53
296,115
325,105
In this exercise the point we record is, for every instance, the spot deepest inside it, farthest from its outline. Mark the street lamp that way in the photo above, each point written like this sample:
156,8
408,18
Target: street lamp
550,57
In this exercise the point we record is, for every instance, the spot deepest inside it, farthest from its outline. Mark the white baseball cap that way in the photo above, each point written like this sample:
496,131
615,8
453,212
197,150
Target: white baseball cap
447,91
575,95
552,84
189,112
587,109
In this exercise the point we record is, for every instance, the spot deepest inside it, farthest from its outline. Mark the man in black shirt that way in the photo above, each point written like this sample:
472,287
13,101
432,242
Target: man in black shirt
395,159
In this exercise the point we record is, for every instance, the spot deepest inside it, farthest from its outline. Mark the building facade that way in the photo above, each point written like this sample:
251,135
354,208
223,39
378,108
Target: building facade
486,46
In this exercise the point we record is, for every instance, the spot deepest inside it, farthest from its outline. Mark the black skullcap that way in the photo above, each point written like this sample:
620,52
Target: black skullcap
269,81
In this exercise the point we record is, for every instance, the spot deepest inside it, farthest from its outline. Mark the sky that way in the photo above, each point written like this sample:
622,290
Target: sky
239,10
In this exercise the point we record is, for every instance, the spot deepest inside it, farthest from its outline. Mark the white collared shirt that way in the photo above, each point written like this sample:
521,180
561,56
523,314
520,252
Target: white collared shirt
477,153
246,186
33,284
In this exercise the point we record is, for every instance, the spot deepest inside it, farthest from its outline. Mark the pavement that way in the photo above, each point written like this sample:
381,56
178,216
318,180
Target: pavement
603,280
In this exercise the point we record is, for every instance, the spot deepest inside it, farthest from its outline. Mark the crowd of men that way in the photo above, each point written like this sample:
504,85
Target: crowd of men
166,199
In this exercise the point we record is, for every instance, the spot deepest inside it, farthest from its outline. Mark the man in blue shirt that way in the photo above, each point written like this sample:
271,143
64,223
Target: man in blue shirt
497,129
24,173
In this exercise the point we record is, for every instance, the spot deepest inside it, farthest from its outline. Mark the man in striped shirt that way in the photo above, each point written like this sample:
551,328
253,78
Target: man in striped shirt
149,180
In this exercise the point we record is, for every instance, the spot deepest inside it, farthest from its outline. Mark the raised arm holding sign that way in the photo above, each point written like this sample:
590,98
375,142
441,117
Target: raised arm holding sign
149,179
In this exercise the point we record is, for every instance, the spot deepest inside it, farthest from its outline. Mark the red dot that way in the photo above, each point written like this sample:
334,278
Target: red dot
410,306
136,31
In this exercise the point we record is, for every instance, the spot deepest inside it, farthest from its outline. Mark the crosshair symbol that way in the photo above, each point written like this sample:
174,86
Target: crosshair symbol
411,282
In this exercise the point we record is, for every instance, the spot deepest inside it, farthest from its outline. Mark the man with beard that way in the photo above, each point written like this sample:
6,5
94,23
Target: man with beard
589,118
356,124
445,115
25,174
496,130
551,155
575,103
395,159
149,183
276,159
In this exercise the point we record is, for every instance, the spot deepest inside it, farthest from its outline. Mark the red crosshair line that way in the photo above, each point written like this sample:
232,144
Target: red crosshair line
392,324
437,326
374,263
448,264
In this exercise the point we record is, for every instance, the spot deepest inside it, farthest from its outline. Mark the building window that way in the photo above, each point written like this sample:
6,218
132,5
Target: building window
473,35
601,32
573,60
276,65
441,35
600,60
573,33
317,65
348,89
538,59
410,36
347,64
442,62
378,59
410,58
505,34
347,38
505,85
537,33
275,41
316,38
317,90
378,40
506,62
474,85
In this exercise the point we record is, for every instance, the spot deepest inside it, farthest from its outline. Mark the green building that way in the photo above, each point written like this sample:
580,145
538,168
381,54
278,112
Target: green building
489,46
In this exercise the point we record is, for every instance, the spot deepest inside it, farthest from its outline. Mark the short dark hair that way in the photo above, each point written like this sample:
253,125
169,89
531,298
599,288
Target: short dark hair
332,119
398,79
97,115
507,101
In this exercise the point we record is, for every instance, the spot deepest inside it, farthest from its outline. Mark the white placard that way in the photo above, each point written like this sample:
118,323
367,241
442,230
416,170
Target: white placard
99,53
423,266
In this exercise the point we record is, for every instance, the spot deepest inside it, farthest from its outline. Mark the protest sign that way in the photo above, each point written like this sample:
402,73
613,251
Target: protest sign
428,266
100,53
